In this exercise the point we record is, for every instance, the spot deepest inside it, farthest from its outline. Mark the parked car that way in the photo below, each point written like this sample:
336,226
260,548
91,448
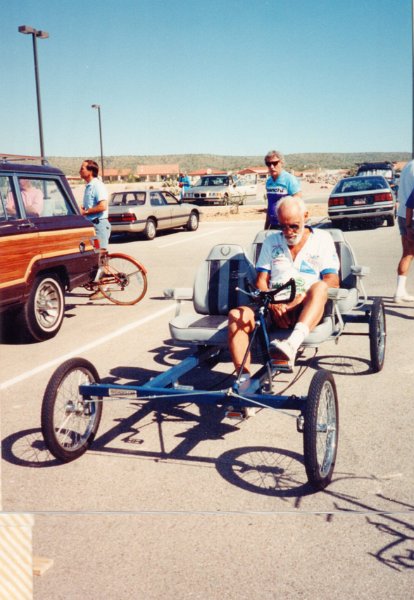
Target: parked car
220,189
147,211
385,169
46,247
362,198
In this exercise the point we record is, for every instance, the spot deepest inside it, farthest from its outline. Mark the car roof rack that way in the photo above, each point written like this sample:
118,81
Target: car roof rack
5,158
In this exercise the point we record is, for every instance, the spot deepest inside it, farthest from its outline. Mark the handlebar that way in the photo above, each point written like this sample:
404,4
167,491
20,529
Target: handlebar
269,296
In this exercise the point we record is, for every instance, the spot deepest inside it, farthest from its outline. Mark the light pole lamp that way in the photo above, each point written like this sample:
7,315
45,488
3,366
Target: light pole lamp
35,33
98,107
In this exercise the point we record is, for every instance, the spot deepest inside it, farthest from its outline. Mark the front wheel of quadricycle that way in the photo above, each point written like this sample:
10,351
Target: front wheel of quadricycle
321,428
124,280
377,335
69,422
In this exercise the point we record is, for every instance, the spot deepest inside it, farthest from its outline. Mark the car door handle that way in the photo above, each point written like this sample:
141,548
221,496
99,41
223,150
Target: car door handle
28,225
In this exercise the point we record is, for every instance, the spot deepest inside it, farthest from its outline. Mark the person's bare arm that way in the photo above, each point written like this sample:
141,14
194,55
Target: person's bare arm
331,280
100,207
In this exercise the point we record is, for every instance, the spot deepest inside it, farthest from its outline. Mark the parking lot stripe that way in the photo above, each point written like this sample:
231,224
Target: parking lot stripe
102,340
189,239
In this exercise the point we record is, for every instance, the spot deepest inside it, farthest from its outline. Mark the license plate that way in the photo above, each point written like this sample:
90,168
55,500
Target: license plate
363,201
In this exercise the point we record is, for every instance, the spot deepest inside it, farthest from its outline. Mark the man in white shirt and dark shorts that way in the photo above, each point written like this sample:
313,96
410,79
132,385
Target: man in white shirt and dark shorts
309,256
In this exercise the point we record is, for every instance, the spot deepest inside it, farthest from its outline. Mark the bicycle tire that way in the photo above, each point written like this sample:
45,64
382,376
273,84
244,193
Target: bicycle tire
124,280
69,423
320,435
377,335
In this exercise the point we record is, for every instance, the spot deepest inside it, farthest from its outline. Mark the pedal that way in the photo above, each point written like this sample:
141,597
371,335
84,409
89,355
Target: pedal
282,365
231,413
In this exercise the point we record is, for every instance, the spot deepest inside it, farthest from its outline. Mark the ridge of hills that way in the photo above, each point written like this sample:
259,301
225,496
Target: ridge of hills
191,162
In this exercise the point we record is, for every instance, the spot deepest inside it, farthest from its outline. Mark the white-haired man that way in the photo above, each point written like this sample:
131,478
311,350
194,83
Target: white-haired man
296,251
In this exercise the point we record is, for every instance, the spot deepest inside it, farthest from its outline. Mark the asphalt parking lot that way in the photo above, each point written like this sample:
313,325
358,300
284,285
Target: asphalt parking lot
180,503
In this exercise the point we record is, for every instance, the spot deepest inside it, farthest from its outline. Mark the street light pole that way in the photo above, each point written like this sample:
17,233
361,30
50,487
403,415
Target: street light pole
42,35
98,106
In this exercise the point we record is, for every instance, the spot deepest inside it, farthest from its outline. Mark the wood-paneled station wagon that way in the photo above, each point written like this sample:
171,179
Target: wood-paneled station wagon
46,247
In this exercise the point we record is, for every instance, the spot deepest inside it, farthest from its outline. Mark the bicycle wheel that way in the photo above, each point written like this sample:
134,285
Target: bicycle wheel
377,335
70,423
124,280
321,428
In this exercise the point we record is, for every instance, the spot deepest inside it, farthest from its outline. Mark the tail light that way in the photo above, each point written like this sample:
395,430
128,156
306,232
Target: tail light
95,243
336,202
128,217
385,197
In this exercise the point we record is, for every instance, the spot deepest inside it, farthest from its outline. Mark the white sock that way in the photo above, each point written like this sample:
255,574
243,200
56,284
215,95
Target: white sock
401,283
300,331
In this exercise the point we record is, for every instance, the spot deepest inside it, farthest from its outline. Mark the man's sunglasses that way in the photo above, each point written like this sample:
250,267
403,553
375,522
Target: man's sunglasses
272,163
293,227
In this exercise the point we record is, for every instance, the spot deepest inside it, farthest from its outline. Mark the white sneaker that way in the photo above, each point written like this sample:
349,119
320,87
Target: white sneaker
244,382
248,411
404,298
283,355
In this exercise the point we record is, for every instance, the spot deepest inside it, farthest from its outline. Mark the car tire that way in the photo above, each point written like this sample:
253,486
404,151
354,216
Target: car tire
41,317
390,221
150,230
339,224
193,221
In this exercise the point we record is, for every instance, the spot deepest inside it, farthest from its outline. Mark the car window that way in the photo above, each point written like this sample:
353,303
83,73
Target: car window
214,181
116,199
8,204
43,198
156,199
140,197
360,184
170,199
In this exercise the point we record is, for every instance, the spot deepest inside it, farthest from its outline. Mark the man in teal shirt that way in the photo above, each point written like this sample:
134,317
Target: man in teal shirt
279,184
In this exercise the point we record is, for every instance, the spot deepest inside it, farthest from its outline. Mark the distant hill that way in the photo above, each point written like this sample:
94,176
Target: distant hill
192,162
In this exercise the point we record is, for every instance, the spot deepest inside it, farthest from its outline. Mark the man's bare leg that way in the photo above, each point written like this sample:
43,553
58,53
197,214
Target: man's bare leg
241,324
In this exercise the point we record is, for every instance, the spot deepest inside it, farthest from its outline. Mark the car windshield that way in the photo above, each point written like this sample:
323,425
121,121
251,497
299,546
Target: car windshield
360,184
213,181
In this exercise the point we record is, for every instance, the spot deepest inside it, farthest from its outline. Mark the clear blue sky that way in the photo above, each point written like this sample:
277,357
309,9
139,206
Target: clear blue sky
214,76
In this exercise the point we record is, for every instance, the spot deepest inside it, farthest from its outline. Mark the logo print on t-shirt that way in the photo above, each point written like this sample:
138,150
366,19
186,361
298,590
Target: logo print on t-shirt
305,267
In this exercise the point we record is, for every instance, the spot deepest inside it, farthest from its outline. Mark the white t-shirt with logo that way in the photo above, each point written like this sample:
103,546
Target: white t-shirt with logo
318,257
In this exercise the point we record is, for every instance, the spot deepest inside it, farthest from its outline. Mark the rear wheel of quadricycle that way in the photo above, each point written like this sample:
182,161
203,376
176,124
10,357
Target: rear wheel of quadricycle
42,315
377,335
124,280
321,428
70,422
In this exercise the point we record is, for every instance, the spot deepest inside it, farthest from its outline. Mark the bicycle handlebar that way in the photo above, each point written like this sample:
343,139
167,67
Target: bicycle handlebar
269,296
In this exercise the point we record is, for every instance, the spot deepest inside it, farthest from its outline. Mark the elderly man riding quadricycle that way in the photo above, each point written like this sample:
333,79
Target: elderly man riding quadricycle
305,290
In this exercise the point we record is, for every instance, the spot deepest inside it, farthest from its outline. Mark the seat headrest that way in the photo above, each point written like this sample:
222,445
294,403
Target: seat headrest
226,252
337,235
